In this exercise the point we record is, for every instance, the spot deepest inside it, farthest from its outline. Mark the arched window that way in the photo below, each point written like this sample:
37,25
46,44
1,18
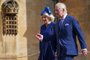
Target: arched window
10,18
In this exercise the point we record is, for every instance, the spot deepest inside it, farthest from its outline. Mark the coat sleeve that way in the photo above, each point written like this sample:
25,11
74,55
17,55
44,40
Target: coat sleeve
46,36
79,33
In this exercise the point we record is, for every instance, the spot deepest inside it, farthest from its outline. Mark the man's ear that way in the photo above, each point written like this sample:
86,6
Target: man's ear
63,10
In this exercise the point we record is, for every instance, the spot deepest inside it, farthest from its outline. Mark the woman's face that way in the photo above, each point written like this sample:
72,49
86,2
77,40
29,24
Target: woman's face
45,19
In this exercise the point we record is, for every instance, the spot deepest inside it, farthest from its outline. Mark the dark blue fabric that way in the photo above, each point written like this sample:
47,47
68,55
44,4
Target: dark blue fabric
66,35
66,57
63,56
48,45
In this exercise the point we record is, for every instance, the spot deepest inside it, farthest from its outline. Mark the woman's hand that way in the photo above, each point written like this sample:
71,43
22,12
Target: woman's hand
39,36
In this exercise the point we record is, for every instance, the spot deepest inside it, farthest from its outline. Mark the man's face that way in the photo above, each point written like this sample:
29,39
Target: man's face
59,12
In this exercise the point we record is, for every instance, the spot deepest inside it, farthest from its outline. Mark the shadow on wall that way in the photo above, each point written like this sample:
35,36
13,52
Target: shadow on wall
33,25
34,22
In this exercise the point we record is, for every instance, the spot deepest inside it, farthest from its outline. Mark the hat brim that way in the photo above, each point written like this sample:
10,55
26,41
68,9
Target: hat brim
50,16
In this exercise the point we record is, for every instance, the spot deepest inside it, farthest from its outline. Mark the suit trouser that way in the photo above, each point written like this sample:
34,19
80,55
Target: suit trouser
61,54
67,57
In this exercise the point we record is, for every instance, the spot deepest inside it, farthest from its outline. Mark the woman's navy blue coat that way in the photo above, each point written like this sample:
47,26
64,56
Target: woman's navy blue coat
48,44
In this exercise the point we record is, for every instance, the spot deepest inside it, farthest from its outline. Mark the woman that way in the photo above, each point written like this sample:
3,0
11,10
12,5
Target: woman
47,36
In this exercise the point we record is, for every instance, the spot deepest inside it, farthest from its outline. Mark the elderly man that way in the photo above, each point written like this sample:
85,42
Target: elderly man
67,28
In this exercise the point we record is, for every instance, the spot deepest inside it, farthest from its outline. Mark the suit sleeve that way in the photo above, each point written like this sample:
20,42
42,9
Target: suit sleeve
79,34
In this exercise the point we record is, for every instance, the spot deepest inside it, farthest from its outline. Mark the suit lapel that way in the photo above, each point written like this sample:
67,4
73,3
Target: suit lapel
65,20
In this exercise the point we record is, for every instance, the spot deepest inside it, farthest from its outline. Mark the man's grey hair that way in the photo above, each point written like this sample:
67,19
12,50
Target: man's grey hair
61,5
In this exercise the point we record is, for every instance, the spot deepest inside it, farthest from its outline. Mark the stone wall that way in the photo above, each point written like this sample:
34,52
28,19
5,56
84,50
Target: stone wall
14,47
34,22
23,46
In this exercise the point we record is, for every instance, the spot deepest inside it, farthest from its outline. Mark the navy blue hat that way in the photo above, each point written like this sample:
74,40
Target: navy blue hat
46,10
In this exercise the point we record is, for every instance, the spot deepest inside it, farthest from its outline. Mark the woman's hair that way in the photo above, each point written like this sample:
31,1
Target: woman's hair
51,17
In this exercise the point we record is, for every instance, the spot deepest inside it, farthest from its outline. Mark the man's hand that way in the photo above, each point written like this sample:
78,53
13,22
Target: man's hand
39,36
84,52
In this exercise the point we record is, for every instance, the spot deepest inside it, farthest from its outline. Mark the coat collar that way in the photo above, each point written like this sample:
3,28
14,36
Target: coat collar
66,20
64,16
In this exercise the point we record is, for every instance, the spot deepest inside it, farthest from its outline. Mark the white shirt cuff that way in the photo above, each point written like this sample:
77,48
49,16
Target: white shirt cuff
83,49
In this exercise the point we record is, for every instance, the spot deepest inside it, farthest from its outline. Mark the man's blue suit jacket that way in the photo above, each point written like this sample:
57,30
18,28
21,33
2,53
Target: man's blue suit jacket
66,34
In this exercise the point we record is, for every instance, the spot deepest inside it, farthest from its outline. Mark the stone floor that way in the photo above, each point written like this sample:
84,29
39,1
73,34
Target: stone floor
80,57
